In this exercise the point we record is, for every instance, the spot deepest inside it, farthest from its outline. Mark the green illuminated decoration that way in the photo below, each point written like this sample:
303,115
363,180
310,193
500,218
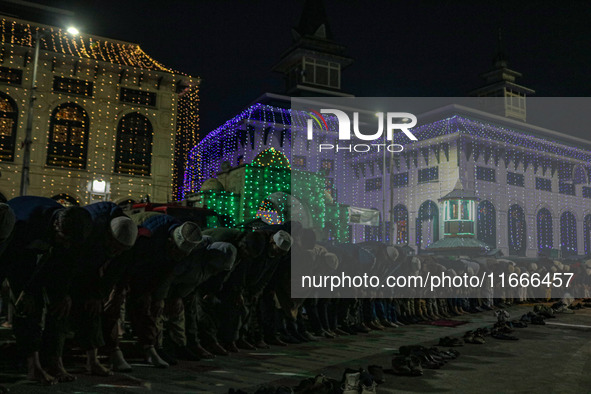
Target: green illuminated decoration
222,202
459,213
271,157
267,194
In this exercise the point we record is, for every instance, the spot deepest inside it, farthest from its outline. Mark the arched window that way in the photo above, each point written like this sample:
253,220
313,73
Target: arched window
579,175
8,122
568,234
400,217
587,233
486,227
427,224
68,137
544,230
517,231
66,200
133,153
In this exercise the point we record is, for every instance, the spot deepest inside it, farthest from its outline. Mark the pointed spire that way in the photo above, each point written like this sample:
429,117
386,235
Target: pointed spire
500,60
314,21
502,82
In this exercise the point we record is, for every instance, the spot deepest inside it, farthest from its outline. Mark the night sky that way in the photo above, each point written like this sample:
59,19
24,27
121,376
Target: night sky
401,48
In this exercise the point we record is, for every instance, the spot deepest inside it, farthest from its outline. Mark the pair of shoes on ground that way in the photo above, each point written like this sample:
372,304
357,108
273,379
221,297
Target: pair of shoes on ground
533,318
358,382
474,337
407,366
544,311
431,358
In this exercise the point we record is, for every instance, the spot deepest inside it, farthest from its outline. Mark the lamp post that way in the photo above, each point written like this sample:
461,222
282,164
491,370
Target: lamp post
29,130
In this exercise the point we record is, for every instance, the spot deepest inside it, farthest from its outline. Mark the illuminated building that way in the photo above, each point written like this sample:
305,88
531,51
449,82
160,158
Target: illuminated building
529,187
108,121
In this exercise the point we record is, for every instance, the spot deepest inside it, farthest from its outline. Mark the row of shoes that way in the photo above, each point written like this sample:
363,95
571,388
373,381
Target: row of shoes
412,359
354,381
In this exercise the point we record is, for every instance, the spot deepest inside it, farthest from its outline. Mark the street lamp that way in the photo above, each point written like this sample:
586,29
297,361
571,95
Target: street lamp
32,97
29,130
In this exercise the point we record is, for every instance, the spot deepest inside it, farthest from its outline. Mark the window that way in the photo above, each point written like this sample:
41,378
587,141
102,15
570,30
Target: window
322,72
133,154
486,174
140,97
299,162
372,233
400,180
566,188
330,187
11,75
545,232
568,234
373,184
517,231
68,137
587,233
544,184
327,165
72,86
428,174
8,122
515,179
486,224
427,224
586,191
401,223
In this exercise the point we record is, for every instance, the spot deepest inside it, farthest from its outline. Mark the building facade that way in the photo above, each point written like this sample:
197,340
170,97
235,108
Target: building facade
107,120
531,185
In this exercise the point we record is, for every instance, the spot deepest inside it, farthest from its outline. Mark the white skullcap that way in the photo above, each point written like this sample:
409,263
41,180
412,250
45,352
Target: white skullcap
124,230
392,252
415,262
7,220
533,267
283,240
187,236
331,260
226,255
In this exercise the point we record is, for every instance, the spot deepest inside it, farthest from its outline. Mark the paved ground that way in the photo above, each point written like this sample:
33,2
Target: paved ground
555,358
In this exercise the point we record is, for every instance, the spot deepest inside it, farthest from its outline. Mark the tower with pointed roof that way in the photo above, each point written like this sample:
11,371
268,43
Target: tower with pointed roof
501,81
313,64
